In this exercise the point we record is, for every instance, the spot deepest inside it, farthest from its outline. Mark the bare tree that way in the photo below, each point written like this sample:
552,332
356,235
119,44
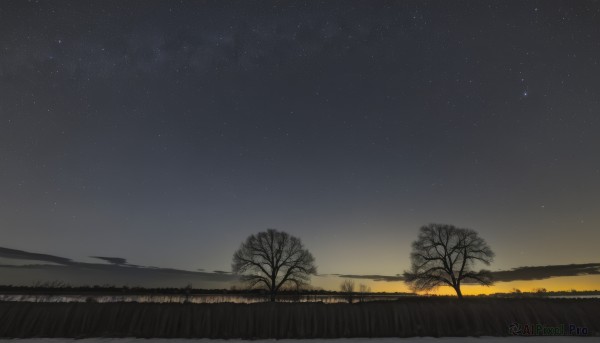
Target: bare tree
272,259
363,290
347,289
444,255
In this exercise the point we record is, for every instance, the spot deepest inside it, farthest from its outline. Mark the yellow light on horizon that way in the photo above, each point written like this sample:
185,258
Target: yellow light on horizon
564,283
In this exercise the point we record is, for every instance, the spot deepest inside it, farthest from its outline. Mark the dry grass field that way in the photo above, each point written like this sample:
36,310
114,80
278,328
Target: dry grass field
435,317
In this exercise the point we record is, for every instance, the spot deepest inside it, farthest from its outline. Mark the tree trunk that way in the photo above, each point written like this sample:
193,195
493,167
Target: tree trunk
458,292
273,287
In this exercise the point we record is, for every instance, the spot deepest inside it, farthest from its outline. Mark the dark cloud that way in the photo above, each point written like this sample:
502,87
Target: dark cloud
515,274
24,255
113,260
387,278
545,272
117,273
221,272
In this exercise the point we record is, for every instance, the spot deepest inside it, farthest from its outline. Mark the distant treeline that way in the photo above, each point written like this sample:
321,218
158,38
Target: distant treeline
58,288
544,292
61,288
412,316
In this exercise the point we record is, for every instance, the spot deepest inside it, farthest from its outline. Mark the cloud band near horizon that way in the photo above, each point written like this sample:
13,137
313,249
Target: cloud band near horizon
117,268
526,273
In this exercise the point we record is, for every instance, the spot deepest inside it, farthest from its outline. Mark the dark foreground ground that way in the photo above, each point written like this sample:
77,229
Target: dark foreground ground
437,317
482,339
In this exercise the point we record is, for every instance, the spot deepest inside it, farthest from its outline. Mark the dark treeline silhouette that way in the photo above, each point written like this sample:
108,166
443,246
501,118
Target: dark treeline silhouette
435,316
63,288
44,288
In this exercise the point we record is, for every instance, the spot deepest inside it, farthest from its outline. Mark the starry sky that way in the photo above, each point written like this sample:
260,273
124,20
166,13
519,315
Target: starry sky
166,132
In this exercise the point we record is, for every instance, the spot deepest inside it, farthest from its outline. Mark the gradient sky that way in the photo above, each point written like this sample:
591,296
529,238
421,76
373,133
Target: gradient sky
167,132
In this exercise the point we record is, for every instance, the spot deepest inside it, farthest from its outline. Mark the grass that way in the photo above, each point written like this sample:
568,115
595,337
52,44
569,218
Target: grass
405,318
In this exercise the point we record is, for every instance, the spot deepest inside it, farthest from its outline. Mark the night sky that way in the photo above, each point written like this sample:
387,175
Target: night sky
167,132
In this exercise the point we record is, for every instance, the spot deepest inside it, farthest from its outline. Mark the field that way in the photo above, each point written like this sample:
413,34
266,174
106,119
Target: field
339,340
411,317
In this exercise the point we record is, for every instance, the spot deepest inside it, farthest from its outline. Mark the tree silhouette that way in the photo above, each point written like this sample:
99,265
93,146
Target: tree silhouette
272,259
347,289
444,255
363,290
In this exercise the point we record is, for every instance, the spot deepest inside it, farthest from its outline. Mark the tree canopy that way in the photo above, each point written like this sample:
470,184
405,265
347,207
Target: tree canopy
273,259
444,255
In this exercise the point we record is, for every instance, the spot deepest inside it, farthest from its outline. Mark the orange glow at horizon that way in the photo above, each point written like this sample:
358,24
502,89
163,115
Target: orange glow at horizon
565,283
